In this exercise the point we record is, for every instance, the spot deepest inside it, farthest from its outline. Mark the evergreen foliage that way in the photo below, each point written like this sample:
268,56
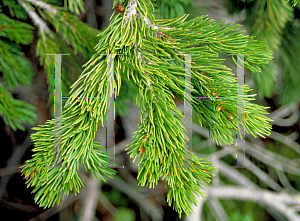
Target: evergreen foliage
72,36
276,23
152,62
14,112
295,2
171,8
16,70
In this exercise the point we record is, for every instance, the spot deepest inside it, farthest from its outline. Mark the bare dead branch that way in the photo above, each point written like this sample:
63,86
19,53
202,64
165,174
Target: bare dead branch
91,198
154,210
52,211
18,153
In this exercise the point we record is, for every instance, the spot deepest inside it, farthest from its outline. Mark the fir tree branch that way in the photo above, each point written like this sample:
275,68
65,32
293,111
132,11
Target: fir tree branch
15,67
160,140
172,177
77,132
294,2
76,6
159,107
77,34
173,9
19,32
37,20
150,25
130,11
44,5
15,9
279,33
14,112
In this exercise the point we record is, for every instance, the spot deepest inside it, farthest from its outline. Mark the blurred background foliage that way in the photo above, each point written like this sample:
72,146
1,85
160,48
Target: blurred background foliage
26,88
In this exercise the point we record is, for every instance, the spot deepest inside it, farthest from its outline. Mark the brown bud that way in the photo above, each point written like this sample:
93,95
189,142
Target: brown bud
203,170
148,174
169,172
120,8
146,138
221,107
142,150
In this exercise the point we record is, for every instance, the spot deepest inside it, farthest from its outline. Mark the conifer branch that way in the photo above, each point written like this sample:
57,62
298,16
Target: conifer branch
43,5
130,11
37,20
294,2
149,23
17,31
160,142
14,112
